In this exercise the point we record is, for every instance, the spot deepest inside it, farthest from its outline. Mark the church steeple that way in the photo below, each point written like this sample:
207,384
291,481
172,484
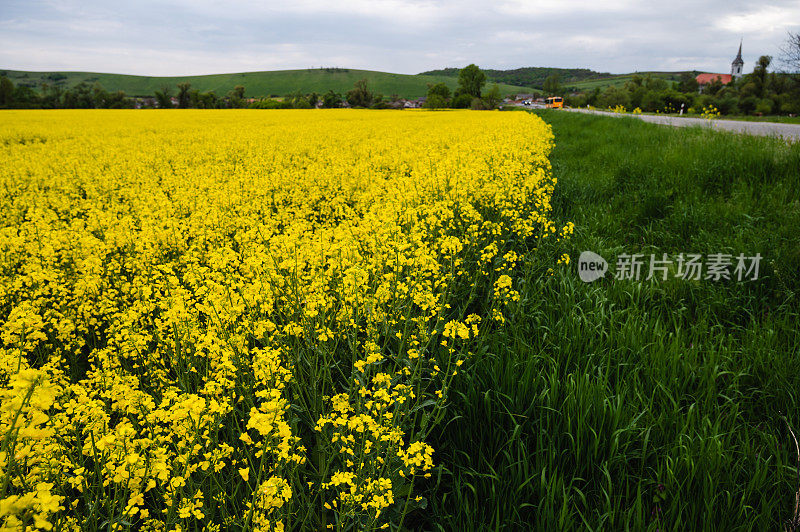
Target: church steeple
738,63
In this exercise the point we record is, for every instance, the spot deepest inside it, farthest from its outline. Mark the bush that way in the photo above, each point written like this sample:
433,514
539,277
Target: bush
462,101
614,97
478,105
435,101
748,105
790,108
764,106
726,105
652,101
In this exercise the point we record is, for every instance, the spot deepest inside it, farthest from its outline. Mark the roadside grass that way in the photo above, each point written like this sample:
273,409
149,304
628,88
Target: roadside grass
765,118
746,118
650,405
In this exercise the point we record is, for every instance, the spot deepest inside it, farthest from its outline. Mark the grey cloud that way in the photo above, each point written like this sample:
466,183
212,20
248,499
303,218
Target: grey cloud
199,37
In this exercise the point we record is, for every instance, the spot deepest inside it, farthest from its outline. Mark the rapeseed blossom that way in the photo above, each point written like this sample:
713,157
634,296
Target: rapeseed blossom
247,319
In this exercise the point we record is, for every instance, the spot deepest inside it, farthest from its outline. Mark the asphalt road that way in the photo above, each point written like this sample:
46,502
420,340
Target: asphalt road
766,129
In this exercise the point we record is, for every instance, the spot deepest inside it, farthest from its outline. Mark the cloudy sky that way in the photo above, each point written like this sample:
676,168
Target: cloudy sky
183,37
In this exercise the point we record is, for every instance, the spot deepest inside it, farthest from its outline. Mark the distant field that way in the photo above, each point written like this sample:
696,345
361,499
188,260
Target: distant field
591,84
528,76
257,84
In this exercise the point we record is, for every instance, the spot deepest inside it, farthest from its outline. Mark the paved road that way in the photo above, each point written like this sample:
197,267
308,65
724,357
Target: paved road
766,129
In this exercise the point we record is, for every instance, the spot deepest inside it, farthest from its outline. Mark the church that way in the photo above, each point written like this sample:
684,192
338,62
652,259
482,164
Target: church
736,73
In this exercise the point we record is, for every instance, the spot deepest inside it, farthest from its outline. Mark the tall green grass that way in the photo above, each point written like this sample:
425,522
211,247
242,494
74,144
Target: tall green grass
650,405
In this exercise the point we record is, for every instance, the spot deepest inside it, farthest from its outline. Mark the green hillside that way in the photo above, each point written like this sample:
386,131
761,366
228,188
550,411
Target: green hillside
577,78
621,79
528,76
257,84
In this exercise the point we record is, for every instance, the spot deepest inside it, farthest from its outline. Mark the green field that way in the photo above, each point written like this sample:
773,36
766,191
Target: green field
529,76
650,405
621,79
257,84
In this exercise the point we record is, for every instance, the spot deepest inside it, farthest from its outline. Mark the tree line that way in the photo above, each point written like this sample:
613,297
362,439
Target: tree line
760,92
81,96
84,96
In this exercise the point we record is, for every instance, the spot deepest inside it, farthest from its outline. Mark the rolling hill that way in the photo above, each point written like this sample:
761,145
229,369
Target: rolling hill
257,84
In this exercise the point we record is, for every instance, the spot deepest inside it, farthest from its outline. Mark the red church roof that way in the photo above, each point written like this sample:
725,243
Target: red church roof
704,79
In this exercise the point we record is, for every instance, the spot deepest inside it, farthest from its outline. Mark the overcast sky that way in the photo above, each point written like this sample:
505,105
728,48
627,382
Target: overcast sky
183,37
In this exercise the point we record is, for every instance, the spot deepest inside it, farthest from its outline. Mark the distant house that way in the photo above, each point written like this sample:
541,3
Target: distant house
736,73
705,79
415,104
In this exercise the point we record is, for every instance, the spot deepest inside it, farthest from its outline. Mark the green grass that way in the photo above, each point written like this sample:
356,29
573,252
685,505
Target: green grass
766,118
745,118
257,84
622,405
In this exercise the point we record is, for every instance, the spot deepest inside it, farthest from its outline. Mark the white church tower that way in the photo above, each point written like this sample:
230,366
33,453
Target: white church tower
736,66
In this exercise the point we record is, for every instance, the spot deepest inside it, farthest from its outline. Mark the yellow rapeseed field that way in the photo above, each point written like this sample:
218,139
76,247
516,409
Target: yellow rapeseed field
244,319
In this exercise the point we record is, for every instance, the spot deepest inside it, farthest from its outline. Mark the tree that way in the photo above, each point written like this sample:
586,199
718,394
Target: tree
435,101
439,89
438,96
331,99
80,96
790,53
652,101
760,76
471,80
552,85
100,96
377,101
25,97
6,92
493,97
164,97
301,103
613,96
51,96
117,100
209,100
461,101
236,96
184,94
713,86
688,83
360,96
655,84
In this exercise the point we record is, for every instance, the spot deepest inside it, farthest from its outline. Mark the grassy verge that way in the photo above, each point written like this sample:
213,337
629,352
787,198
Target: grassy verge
640,405
744,118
